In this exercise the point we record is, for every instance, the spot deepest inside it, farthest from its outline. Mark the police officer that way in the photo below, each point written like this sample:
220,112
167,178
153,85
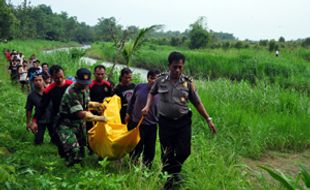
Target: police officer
175,91
72,112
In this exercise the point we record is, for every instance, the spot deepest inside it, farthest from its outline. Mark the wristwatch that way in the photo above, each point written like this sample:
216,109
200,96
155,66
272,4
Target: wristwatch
209,119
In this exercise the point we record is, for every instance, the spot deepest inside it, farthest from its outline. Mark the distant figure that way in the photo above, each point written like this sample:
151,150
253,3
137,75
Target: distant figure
7,55
45,74
277,53
23,76
13,68
32,71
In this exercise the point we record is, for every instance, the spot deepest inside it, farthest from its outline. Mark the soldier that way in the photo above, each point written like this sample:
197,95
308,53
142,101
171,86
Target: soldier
175,90
72,113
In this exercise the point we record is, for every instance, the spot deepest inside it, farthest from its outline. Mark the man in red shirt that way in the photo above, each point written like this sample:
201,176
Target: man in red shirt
99,89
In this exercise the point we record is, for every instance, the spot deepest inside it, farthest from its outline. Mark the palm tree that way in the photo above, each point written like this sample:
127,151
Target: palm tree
127,49
131,47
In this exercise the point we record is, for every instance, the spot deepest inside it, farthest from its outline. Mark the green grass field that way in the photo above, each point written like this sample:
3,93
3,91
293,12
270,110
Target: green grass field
252,119
290,70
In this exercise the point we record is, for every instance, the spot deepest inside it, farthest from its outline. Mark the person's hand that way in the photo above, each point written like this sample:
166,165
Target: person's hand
127,118
145,111
101,108
28,126
34,128
101,118
97,107
212,127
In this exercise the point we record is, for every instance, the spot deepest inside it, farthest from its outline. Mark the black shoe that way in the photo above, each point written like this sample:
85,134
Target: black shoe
90,152
177,178
70,162
173,182
169,184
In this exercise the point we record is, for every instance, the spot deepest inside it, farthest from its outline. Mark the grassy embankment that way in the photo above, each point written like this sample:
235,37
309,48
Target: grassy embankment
250,120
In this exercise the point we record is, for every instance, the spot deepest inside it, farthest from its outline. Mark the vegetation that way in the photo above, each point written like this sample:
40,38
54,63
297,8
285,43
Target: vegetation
259,102
199,36
251,119
291,70
289,183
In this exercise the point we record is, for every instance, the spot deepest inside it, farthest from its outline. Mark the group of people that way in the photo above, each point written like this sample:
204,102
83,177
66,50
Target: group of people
67,108
22,71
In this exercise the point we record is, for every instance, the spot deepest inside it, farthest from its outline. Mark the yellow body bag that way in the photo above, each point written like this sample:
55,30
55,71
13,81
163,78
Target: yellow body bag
112,139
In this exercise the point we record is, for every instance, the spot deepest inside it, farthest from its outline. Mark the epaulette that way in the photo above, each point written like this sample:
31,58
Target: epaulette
162,74
188,78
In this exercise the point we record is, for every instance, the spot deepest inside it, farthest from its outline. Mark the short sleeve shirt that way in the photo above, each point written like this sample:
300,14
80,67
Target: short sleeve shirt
174,97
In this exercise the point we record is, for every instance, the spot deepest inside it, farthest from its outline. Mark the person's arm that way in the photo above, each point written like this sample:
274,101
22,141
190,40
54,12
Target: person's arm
97,106
88,116
10,69
195,99
28,119
203,112
150,98
29,107
149,102
20,71
131,105
76,109
110,88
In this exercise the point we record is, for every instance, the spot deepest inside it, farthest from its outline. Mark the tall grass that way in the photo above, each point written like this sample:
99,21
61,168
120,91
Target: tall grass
252,120
290,70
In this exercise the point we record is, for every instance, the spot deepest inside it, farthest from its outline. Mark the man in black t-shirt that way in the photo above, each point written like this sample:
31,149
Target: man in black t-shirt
99,88
53,94
125,91
34,101
14,69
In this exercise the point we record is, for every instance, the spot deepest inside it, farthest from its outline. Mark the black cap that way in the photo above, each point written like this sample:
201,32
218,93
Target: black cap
83,76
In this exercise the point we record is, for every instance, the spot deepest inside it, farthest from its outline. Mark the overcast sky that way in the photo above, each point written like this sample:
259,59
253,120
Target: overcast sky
246,19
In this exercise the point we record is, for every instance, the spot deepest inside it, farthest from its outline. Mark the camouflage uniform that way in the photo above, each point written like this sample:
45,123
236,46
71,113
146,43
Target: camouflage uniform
71,129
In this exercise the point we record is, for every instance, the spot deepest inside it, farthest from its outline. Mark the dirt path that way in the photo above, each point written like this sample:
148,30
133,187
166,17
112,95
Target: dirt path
287,163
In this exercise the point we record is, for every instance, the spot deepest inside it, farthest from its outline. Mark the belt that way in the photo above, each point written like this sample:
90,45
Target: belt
189,114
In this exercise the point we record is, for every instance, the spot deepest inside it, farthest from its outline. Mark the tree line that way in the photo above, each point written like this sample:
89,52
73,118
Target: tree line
40,22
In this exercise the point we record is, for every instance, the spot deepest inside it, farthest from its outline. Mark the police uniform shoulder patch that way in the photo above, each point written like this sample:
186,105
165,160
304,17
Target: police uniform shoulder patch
162,74
191,81
188,78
